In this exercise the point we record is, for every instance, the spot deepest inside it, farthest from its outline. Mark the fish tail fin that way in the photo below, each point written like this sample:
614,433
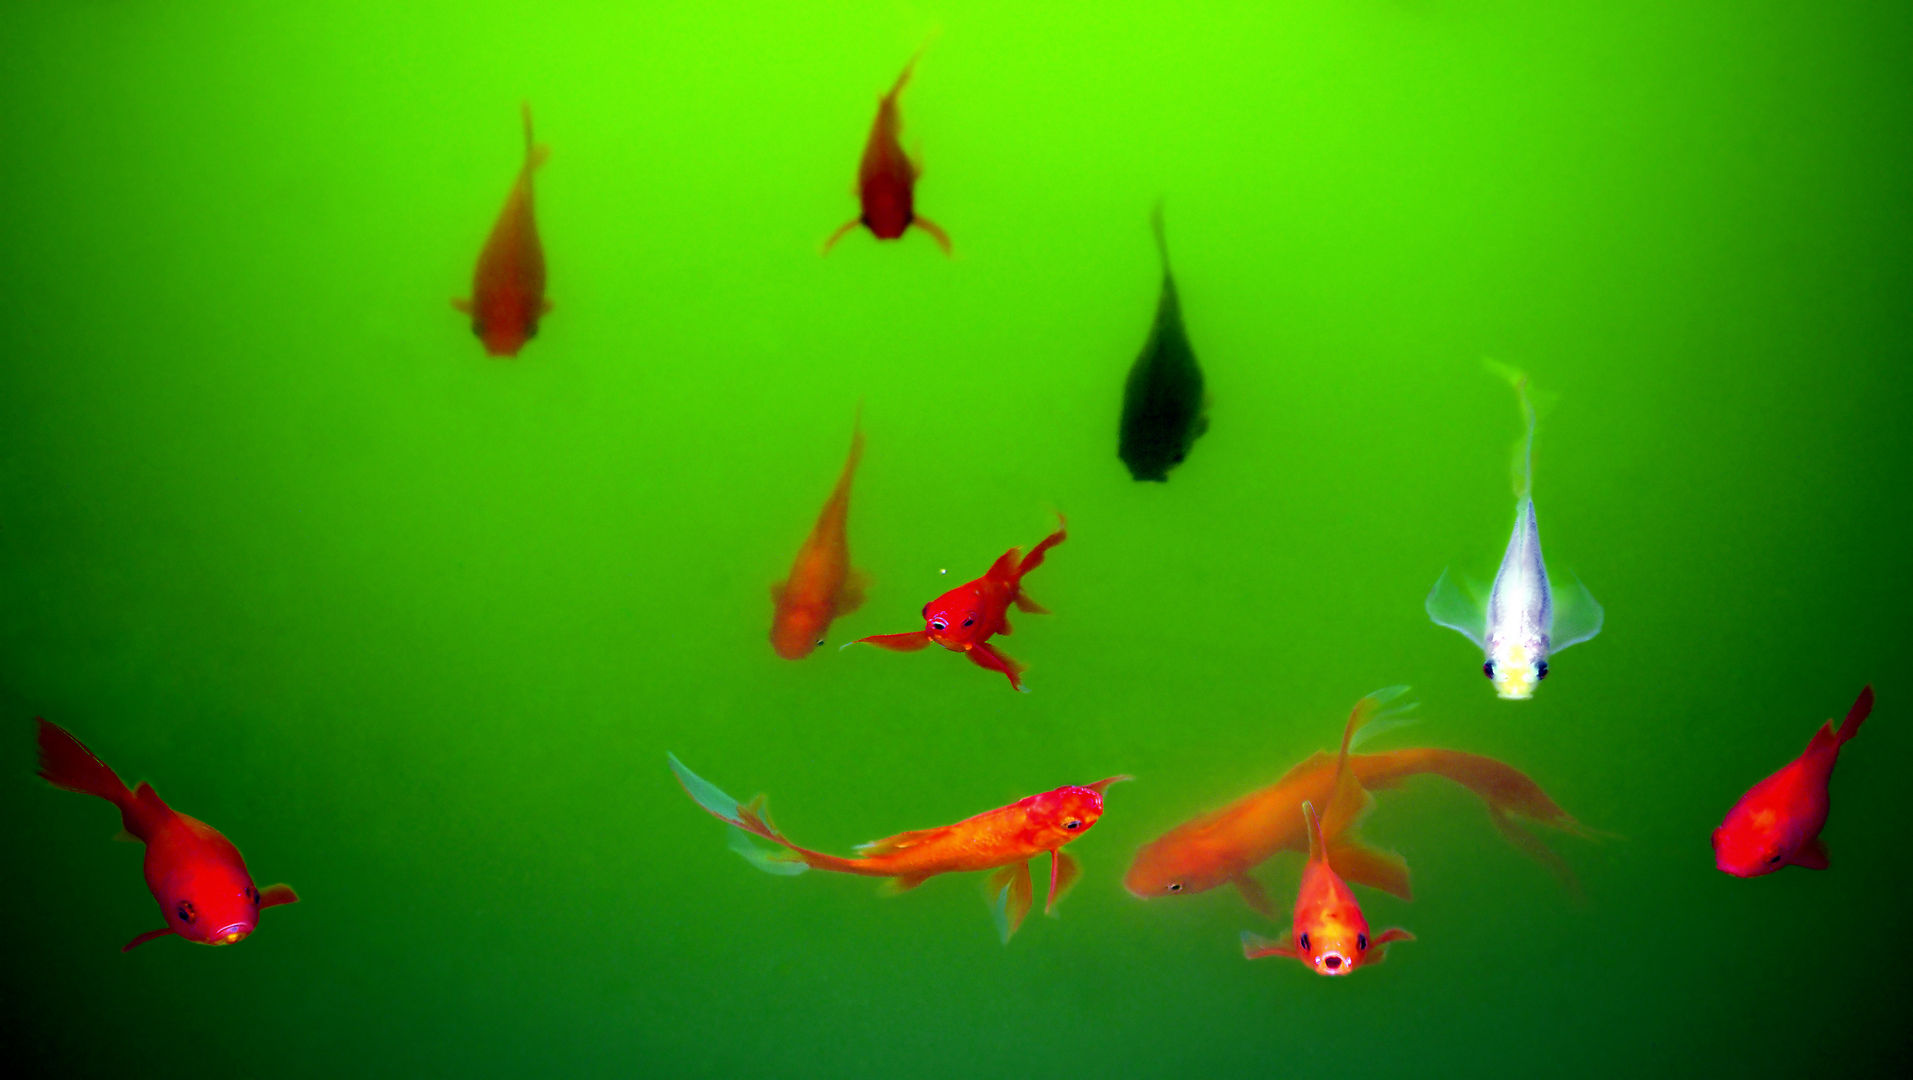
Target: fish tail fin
1162,238
535,154
1531,402
1035,558
1862,706
67,764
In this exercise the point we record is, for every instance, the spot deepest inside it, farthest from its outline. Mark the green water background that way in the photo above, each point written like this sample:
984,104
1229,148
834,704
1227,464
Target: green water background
415,627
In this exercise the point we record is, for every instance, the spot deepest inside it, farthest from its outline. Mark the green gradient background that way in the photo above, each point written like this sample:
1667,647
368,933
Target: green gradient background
416,627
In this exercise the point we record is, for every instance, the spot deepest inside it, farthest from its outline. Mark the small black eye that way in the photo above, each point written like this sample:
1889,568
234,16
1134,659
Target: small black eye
252,894
185,911
1304,942
1774,858
1541,671
820,643
969,620
1361,942
939,625
1073,824
1488,669
1175,886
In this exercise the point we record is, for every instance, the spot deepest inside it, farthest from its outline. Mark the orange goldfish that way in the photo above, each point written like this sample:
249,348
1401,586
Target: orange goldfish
1222,846
508,288
1329,933
1777,823
1003,840
822,585
887,178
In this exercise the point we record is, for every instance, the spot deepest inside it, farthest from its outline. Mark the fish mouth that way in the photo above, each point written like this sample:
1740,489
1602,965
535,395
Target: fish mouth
1334,963
232,934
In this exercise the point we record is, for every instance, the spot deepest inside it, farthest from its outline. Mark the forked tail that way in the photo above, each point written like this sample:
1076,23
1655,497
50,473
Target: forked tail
743,819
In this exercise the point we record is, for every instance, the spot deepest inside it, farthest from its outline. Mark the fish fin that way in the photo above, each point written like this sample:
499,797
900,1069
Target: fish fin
1358,862
544,307
1862,707
125,837
1530,845
1378,946
890,845
1448,605
1812,855
144,938
1011,894
1035,558
777,593
1063,872
936,231
851,596
1255,896
842,230
901,884
1316,847
910,642
770,860
462,305
983,655
705,793
1255,946
67,764
275,895
1577,616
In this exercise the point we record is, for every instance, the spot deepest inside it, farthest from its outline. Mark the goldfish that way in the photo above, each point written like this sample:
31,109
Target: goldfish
1163,405
887,178
1777,823
822,584
1328,932
1003,840
1222,846
1526,620
508,288
202,885
963,619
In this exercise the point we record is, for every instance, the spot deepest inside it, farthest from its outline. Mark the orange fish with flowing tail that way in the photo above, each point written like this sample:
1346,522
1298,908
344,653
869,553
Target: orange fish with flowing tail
887,178
965,618
822,585
508,288
201,883
1003,840
1222,847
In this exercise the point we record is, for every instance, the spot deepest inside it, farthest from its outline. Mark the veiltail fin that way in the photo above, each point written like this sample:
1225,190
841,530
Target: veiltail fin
1035,558
1524,450
1509,793
1356,861
1348,801
743,819
67,764
1255,946
1010,895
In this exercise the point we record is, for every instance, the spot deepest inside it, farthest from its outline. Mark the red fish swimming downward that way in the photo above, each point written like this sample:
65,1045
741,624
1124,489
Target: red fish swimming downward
1777,823
196,874
1003,840
887,178
508,288
1328,931
822,584
963,619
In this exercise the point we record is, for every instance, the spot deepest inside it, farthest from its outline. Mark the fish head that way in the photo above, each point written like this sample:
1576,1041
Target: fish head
1062,815
1177,864
797,630
210,905
505,324
1516,668
957,620
1333,941
1751,841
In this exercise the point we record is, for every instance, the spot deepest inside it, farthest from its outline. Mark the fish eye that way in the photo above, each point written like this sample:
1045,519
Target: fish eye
820,643
1303,941
251,894
1541,670
1175,886
1773,859
939,625
184,911
1361,942
1073,824
1488,669
969,620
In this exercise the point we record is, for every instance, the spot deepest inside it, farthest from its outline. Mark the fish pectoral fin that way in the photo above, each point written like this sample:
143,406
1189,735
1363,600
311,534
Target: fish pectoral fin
144,938
851,596
936,232
1063,872
544,307
1577,615
462,305
1449,605
1378,948
910,642
1812,855
1255,896
274,895
1024,603
777,593
1255,946
839,234
900,884
1356,861
1010,895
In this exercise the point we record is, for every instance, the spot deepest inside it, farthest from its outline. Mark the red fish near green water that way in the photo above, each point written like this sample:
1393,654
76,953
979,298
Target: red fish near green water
201,883
965,618
1003,840
822,584
1329,933
887,178
508,288
1777,823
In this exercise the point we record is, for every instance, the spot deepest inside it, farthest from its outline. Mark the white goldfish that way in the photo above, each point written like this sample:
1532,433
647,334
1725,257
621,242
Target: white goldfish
1525,620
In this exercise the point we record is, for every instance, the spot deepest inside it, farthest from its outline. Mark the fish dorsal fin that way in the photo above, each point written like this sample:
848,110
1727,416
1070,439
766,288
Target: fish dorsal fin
1316,848
1355,861
890,845
851,596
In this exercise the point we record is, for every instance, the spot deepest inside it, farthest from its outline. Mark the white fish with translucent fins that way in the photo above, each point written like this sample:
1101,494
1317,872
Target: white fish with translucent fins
1526,620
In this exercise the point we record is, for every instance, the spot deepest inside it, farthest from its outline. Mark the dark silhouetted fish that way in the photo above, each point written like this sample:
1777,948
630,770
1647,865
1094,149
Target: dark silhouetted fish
1162,400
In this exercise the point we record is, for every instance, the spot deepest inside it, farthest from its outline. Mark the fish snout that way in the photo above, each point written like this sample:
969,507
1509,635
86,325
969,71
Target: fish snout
1334,963
231,934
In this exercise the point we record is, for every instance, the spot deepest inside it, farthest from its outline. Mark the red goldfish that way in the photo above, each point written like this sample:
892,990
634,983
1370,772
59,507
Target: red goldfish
1328,931
887,178
1003,840
1222,846
822,585
963,619
1777,823
508,289
196,874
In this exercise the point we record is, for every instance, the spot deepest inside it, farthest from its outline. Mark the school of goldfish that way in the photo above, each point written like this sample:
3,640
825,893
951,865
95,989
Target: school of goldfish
207,895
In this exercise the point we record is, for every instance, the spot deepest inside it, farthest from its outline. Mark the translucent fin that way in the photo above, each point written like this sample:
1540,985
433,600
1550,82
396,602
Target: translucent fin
1255,896
274,895
144,938
1063,872
1458,610
1255,946
890,845
1378,948
1811,856
1011,895
901,884
1577,616
851,596
770,860
704,792
1386,721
